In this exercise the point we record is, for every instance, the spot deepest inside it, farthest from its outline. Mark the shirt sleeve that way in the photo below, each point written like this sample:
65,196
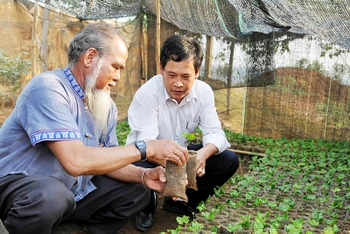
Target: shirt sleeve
210,124
45,112
143,117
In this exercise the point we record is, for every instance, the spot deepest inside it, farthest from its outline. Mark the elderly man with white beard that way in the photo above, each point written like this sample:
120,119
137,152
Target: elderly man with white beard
59,155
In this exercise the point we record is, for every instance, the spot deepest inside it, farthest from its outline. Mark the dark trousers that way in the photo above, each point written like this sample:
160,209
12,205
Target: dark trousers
219,168
36,204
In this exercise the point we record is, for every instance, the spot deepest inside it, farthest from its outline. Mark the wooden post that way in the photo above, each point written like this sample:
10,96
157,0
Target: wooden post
327,110
144,50
208,57
35,18
45,33
229,76
158,38
144,54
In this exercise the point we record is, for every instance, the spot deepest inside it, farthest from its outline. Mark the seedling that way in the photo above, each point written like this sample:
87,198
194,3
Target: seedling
182,220
214,229
313,222
208,215
218,191
232,204
201,206
245,221
272,204
234,193
234,227
195,226
331,230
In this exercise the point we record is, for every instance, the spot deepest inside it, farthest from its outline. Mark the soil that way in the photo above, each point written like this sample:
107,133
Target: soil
163,220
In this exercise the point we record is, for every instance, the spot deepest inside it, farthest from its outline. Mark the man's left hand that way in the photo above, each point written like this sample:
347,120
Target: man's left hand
201,162
154,178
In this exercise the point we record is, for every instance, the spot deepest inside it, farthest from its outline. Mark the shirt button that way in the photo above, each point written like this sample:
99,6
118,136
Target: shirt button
87,135
86,107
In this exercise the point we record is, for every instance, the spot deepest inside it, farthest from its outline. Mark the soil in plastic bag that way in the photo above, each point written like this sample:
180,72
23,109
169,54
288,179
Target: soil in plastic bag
191,170
175,185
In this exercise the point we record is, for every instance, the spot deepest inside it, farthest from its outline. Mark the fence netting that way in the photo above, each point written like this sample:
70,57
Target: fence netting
329,20
279,68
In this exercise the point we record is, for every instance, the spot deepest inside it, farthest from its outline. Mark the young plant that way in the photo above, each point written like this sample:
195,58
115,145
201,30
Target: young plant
181,221
295,227
245,221
195,226
331,230
218,191
201,206
190,137
208,215
232,228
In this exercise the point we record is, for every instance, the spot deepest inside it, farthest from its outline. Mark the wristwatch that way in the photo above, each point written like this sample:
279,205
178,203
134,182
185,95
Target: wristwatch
141,145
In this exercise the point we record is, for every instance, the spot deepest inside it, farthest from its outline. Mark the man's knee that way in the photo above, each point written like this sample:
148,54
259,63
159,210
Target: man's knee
53,197
39,203
229,161
234,159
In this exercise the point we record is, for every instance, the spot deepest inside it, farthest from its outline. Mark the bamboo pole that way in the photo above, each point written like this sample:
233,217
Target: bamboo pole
45,33
248,152
142,47
244,102
158,38
208,58
35,19
327,110
229,76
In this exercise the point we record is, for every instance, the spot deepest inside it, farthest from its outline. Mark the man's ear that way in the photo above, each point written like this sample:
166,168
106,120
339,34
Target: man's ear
161,68
197,74
89,57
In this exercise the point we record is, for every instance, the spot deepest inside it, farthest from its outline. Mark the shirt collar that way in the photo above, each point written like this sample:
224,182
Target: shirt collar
73,82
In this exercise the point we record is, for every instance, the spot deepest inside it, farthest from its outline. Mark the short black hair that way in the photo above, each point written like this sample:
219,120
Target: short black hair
178,48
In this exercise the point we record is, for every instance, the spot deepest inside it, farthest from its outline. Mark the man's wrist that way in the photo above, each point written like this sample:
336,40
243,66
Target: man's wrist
141,146
143,176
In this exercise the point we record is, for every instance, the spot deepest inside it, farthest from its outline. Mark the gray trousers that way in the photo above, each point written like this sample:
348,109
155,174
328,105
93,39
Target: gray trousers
37,204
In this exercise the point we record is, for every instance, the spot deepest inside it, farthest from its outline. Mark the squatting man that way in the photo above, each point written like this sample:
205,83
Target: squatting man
59,154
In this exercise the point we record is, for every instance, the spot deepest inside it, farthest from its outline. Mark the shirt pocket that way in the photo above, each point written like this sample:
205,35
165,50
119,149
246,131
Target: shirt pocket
191,126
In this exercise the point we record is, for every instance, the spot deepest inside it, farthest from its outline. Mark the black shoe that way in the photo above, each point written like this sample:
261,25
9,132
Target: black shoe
179,207
144,220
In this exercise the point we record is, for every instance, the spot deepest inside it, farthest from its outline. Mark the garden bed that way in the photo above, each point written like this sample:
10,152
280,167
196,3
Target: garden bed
300,186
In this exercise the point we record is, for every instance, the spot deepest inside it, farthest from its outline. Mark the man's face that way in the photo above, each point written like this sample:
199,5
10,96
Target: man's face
103,76
112,65
178,78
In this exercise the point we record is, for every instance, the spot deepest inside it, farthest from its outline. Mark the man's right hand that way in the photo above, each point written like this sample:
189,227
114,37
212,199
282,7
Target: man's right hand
162,150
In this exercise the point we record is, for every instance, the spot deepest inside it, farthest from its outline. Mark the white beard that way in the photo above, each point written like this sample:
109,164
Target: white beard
98,101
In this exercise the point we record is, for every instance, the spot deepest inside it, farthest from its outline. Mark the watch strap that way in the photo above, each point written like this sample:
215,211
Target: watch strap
141,145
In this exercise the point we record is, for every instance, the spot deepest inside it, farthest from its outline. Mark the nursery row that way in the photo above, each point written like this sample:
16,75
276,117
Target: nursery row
300,186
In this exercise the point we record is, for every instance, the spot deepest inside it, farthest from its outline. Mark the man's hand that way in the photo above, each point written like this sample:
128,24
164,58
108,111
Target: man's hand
202,155
201,162
154,178
167,150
